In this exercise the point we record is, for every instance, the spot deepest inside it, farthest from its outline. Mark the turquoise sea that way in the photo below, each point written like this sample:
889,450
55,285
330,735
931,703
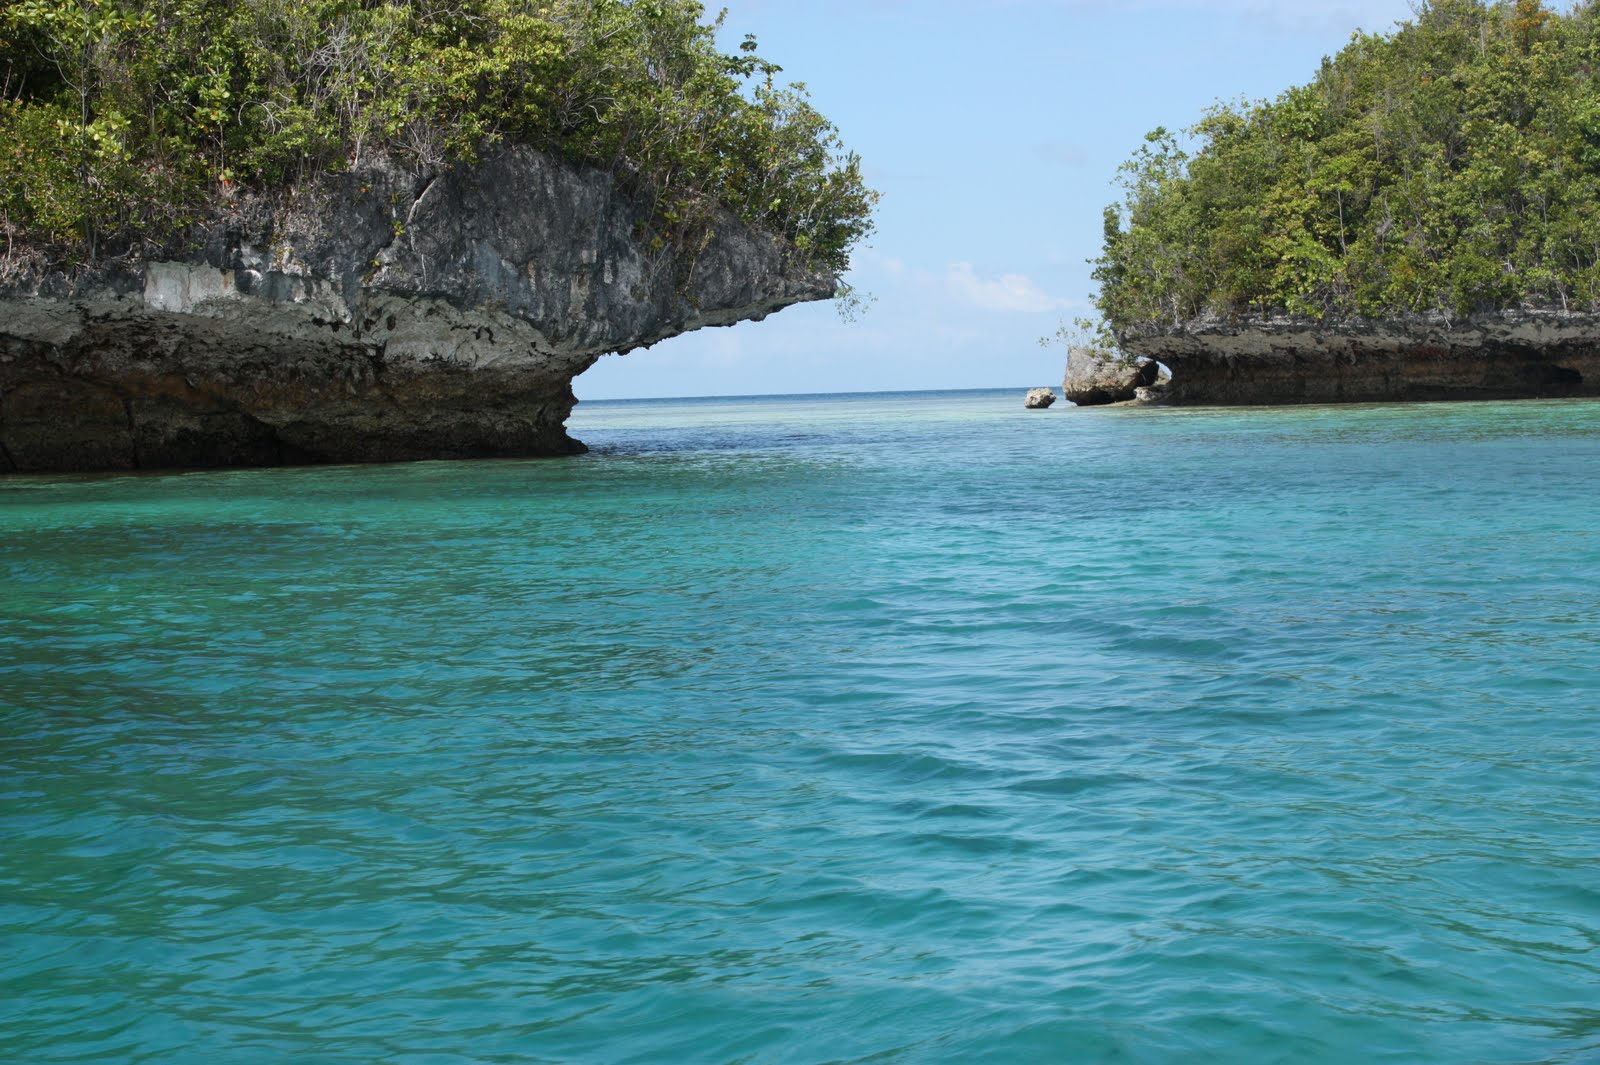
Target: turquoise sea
877,728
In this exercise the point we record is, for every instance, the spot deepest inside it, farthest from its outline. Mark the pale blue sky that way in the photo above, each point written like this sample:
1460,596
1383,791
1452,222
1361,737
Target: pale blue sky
994,131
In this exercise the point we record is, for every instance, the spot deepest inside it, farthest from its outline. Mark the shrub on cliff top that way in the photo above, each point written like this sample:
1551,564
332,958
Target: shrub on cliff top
121,121
1451,166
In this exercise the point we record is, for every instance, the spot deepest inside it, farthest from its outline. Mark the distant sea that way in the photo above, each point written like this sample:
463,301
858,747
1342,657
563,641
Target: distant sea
876,728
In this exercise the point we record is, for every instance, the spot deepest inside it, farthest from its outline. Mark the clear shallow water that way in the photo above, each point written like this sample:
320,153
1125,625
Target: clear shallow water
909,728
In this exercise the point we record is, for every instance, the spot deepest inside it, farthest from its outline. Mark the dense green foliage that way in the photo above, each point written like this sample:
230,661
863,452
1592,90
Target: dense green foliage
1450,166
121,120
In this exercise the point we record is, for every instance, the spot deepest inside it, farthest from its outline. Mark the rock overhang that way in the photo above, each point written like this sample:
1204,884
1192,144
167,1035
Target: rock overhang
377,315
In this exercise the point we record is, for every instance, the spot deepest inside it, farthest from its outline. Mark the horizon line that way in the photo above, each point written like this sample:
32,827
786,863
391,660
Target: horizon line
810,395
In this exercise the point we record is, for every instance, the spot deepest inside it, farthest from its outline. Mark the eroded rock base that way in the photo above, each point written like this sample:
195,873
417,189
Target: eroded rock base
1092,381
152,394
1547,356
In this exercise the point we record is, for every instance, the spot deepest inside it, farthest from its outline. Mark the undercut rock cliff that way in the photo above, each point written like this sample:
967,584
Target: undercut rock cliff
1511,355
377,316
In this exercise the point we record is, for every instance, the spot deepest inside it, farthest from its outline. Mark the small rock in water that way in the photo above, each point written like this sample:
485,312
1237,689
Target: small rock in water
1039,398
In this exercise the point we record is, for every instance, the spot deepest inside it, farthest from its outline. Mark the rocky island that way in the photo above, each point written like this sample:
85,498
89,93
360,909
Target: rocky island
1416,223
1508,355
338,231
379,315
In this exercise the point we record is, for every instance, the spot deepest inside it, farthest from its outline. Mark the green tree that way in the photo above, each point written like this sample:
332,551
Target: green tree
158,108
1451,166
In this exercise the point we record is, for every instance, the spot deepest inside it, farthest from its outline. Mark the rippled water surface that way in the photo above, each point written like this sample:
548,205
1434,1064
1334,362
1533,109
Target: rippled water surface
911,728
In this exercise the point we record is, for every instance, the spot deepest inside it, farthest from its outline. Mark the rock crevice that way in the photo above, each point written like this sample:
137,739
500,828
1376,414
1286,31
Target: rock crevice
379,315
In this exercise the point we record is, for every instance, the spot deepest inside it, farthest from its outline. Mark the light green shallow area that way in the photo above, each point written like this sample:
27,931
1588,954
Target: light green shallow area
892,728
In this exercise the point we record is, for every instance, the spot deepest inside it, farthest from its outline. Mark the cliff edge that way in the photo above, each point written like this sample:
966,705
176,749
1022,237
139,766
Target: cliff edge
377,315
1506,355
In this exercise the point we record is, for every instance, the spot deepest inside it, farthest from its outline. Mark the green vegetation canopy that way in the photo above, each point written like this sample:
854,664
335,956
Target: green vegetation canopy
123,121
1451,166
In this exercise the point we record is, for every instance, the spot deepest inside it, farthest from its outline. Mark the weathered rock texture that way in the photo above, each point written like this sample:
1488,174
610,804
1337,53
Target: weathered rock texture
378,316
1039,398
1094,382
1511,355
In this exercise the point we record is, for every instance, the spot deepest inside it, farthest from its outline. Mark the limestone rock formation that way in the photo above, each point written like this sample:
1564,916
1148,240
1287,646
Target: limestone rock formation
1509,355
379,315
1039,398
1093,381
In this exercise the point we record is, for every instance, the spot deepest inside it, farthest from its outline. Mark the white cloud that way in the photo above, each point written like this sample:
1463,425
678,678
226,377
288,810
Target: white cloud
724,347
869,260
1008,292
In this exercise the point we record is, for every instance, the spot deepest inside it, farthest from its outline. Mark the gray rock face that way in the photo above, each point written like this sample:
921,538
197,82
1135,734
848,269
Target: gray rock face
379,316
1511,355
1093,382
1039,398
